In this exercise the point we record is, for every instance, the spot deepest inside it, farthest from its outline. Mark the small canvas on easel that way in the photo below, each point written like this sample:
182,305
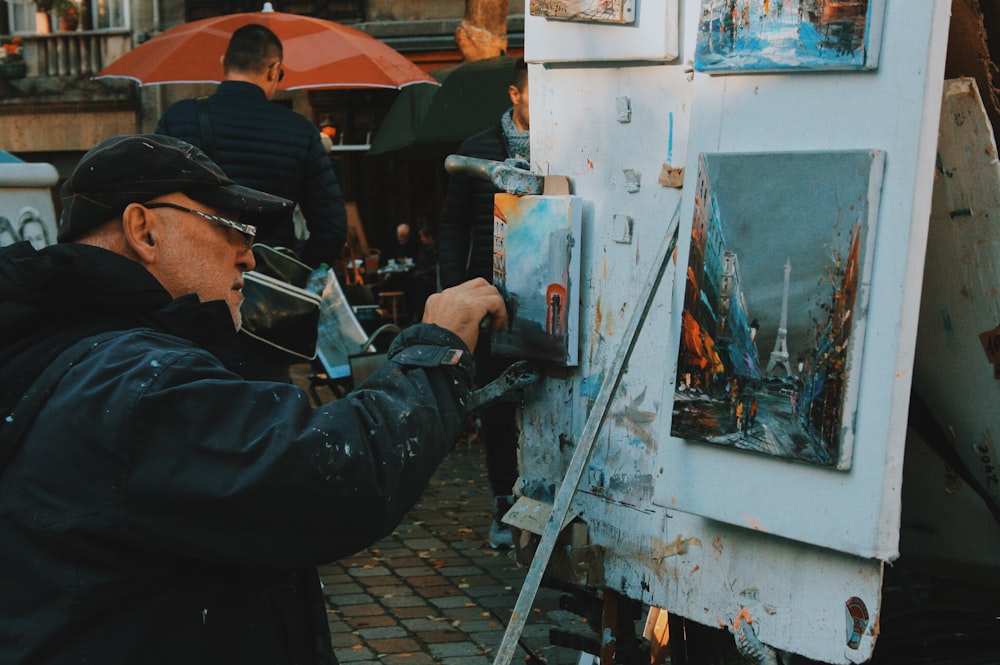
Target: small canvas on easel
536,267
776,302
753,36
590,11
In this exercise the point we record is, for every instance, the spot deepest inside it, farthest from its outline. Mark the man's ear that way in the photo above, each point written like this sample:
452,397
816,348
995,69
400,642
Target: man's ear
141,229
515,94
272,74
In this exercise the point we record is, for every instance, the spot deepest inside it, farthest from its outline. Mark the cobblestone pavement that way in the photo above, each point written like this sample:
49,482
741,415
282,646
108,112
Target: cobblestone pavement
433,591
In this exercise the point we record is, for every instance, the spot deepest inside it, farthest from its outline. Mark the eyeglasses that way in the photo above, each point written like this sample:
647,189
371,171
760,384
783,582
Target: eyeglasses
247,231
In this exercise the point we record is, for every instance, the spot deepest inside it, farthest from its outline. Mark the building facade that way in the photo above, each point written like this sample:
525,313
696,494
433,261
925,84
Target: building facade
51,110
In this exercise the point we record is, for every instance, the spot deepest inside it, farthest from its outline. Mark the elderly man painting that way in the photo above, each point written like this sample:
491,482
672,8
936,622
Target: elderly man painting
154,505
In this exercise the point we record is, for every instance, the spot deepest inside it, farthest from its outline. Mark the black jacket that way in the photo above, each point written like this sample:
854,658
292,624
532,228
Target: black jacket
162,509
465,239
266,146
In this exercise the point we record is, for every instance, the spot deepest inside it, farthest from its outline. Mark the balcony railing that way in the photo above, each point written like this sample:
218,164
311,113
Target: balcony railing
81,53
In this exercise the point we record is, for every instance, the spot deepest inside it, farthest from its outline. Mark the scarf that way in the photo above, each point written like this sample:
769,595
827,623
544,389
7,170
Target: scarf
517,139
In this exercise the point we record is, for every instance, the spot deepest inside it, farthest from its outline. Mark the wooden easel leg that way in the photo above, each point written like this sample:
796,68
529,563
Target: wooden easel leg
657,632
609,626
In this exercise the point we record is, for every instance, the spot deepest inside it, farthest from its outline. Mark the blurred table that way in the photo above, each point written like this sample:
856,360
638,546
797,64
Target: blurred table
391,269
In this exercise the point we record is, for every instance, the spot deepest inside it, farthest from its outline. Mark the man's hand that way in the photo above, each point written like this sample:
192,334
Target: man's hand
462,308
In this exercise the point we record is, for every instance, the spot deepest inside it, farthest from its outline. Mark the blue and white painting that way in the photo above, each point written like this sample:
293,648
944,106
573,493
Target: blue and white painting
751,36
536,267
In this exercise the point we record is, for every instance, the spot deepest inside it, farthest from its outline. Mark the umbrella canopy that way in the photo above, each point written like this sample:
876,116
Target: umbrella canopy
398,129
317,54
472,97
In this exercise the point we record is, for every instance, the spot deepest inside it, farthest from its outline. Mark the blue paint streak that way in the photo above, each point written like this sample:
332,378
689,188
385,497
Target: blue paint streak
590,387
948,326
670,139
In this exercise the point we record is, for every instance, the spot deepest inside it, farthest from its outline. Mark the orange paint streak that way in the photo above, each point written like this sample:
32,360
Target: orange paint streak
745,615
695,569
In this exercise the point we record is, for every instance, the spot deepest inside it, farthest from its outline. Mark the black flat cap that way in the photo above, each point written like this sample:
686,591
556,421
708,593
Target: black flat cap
138,167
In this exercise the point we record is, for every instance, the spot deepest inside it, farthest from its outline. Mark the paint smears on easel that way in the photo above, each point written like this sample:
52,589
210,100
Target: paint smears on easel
671,176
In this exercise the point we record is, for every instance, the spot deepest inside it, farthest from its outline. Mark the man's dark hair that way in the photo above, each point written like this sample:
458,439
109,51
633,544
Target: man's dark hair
519,78
252,48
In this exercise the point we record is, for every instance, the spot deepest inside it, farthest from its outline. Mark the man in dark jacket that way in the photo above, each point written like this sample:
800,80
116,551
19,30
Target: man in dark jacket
465,250
405,247
155,507
266,146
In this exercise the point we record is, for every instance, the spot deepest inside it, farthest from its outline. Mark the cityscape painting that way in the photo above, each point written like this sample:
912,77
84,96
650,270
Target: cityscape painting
775,35
600,11
536,267
776,302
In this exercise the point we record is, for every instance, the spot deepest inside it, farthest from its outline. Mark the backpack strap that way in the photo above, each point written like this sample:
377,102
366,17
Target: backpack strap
16,423
205,127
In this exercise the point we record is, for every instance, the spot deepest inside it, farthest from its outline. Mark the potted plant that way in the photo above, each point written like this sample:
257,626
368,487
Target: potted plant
67,12
12,65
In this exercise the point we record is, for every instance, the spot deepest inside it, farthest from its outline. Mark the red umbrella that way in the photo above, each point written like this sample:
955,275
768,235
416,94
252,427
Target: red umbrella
317,54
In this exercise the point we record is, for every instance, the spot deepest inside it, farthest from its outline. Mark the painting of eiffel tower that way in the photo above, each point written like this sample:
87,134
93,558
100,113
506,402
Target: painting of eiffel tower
779,357
780,259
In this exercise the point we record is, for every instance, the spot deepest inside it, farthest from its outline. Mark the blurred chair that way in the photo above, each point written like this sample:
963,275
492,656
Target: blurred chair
395,303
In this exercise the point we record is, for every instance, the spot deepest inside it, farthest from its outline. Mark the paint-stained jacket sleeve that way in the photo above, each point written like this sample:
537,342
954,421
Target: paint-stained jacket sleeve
190,458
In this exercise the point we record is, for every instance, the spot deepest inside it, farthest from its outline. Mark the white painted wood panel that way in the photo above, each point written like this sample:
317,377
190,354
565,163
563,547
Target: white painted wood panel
755,533
653,36
943,519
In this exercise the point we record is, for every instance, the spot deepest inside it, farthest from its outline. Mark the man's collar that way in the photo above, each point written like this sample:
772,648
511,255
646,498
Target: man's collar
241,88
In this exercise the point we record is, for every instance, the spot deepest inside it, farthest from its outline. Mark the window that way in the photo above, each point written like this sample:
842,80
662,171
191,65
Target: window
108,14
103,15
21,15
